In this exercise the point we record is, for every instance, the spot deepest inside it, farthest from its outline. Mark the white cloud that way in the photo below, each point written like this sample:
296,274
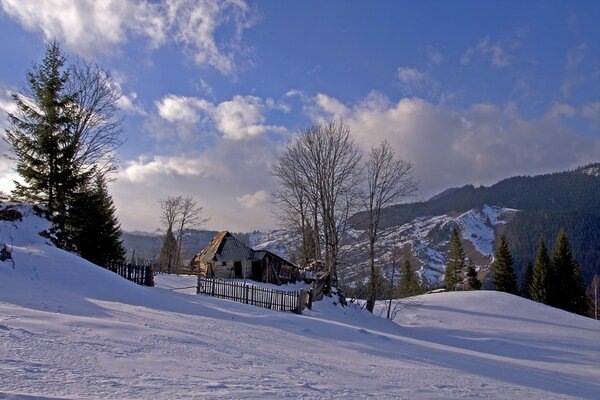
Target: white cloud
175,108
497,53
90,27
480,145
331,106
236,119
222,178
251,200
410,76
146,168
128,104
415,82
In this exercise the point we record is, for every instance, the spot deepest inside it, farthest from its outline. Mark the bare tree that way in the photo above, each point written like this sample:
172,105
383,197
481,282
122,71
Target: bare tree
170,211
319,174
294,203
190,216
388,181
96,124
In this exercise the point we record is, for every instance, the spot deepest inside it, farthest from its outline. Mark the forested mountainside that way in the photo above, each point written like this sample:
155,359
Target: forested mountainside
546,203
561,191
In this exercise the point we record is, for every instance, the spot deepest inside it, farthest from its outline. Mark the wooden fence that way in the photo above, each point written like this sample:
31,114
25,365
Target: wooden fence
140,274
295,300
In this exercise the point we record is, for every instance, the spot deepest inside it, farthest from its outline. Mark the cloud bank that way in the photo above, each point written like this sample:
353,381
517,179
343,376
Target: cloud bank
90,27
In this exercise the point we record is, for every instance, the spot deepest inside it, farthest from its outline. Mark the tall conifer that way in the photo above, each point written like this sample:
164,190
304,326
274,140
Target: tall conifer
527,279
93,225
473,281
569,288
39,135
455,262
542,283
503,272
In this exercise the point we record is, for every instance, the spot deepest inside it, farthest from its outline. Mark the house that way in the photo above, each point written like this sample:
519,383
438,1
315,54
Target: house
227,257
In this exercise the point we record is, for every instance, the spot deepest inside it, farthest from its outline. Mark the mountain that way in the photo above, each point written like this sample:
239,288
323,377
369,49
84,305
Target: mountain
72,330
147,245
525,208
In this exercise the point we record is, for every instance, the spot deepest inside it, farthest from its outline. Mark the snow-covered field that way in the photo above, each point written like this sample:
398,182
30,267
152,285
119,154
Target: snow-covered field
69,329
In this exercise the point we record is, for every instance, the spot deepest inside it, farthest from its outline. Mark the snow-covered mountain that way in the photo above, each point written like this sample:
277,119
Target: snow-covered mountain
424,240
72,330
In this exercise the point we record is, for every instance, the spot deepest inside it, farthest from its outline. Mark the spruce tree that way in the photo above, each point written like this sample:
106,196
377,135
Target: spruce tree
455,262
473,281
503,273
527,279
542,281
39,135
569,288
168,251
409,283
93,226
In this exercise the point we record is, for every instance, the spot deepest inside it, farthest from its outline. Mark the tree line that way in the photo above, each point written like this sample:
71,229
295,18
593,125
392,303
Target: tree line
552,280
64,137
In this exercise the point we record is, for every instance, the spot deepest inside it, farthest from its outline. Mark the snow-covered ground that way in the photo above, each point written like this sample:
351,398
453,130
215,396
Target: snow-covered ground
69,329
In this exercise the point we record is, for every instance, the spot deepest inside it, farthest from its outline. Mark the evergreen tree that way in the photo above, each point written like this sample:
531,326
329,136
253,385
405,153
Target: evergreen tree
39,136
473,281
455,262
93,227
542,281
168,251
569,288
503,273
527,279
409,283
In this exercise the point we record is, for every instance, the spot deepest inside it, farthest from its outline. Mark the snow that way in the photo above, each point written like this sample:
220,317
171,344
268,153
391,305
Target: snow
70,329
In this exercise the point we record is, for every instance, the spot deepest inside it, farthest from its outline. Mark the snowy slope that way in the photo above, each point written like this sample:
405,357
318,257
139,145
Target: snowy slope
69,329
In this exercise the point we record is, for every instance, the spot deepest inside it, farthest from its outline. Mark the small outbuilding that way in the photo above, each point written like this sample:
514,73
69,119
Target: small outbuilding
228,257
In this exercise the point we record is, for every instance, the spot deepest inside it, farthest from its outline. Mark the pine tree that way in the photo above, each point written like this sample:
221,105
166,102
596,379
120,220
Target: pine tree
569,288
503,273
168,251
93,226
542,281
409,283
527,279
455,262
473,281
39,135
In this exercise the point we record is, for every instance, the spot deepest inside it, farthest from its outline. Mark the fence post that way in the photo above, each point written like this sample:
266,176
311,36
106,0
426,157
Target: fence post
300,301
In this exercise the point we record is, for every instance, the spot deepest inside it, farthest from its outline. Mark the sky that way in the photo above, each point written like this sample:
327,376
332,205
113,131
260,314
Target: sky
212,91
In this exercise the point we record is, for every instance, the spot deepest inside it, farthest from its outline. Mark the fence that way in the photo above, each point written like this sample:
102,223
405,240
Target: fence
140,274
280,300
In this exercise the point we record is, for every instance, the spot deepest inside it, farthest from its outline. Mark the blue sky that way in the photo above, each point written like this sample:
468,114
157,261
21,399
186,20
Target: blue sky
468,91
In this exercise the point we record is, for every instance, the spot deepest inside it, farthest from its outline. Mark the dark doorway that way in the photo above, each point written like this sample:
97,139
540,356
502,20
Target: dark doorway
257,271
237,268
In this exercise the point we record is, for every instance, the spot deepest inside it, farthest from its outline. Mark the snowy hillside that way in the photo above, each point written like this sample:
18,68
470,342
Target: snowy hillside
70,329
423,240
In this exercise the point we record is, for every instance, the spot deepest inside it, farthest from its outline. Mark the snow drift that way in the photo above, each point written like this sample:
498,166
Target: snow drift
70,329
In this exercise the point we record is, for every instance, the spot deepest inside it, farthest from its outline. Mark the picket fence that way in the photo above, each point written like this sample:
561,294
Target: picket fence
280,300
140,274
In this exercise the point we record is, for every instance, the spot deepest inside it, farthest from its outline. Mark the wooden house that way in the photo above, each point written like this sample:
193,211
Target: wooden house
227,257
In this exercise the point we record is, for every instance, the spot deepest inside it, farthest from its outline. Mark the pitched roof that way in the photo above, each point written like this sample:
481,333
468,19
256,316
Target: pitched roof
224,246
